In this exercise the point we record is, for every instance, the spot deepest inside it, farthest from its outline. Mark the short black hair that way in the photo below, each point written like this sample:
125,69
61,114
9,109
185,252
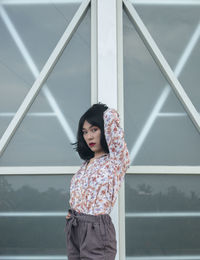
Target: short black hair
94,116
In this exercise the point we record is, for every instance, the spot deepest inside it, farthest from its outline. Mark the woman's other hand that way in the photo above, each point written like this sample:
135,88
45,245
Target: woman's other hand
68,216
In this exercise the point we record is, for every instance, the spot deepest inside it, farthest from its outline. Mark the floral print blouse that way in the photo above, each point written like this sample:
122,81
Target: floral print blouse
94,189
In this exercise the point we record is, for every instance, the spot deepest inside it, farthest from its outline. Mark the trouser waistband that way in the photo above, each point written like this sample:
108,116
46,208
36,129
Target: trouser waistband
89,218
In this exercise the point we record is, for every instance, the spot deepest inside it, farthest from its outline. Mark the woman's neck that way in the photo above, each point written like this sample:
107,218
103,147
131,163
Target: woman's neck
97,155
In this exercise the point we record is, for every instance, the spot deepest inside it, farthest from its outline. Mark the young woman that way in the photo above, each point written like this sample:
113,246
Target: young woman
90,233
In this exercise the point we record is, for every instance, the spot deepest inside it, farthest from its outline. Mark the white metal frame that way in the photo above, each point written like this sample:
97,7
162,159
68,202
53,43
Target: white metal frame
107,73
120,98
51,62
94,54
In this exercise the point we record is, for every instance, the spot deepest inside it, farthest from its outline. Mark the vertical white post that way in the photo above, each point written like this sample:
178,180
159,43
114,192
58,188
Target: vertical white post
107,68
107,52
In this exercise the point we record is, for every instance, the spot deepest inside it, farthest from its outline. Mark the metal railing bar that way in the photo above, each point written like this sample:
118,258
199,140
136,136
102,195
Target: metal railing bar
28,114
163,215
168,257
187,214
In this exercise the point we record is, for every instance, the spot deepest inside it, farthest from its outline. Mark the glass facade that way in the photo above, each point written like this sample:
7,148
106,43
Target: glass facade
162,211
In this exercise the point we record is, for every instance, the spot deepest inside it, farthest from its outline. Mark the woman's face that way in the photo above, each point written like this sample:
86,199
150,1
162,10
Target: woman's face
92,136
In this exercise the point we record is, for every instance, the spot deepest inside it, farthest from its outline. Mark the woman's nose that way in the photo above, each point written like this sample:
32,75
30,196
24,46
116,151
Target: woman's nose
90,136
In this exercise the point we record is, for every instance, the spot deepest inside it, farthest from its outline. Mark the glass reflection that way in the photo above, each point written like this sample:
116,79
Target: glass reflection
28,36
48,129
167,233
176,30
33,235
34,193
155,136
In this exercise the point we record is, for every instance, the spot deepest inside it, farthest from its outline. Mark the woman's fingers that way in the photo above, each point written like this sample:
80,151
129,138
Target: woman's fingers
68,216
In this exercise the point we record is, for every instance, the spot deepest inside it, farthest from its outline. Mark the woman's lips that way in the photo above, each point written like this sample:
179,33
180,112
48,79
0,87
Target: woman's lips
91,144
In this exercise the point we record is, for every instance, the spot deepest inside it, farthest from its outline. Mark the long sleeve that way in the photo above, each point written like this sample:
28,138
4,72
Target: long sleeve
94,189
119,155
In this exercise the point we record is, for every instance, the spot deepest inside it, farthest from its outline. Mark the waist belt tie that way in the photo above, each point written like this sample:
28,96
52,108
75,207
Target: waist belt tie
75,217
71,221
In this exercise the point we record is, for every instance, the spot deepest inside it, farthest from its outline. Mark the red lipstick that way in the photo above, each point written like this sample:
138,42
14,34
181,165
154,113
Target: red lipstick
91,144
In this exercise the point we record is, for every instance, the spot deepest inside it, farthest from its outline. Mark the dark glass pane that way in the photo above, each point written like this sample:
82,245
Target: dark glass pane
162,215
32,214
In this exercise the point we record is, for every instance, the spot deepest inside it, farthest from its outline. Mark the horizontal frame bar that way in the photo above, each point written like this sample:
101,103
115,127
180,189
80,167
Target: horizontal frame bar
49,170
169,257
163,215
32,214
13,214
151,169
138,2
33,257
65,170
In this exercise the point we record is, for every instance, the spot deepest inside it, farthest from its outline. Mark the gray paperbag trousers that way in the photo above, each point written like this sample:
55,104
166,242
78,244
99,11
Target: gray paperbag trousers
90,237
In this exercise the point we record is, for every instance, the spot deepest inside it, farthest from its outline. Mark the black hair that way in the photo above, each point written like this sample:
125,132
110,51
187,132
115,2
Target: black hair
94,116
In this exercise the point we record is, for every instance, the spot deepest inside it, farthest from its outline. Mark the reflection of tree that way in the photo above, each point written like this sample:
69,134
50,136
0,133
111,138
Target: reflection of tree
161,236
142,198
6,202
27,198
144,189
29,235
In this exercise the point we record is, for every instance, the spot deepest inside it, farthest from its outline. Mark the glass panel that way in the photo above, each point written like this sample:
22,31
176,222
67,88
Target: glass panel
162,215
32,215
176,30
44,138
29,33
154,136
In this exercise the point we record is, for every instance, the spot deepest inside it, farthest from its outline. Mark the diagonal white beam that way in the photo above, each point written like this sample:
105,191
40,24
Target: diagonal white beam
46,70
158,57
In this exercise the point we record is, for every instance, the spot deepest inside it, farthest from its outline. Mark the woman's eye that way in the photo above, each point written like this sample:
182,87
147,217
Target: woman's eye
94,129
